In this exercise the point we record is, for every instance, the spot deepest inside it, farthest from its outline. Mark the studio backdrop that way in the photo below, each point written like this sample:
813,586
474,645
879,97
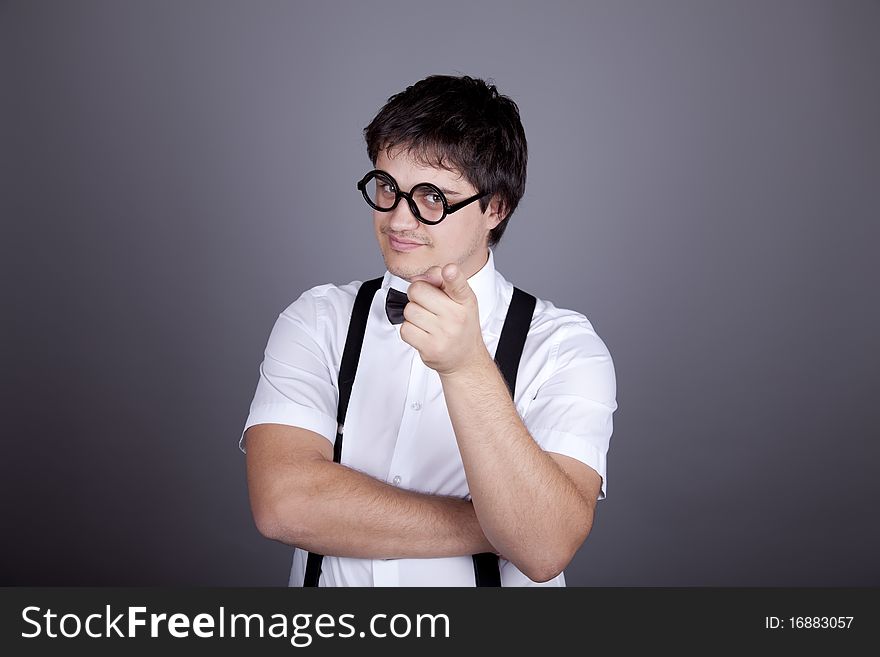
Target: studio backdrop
702,185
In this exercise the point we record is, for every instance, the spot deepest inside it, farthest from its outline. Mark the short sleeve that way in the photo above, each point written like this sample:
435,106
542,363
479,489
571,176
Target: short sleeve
296,386
571,413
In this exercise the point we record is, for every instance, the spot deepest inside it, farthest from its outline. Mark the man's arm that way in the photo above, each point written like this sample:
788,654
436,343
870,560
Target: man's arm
535,507
300,497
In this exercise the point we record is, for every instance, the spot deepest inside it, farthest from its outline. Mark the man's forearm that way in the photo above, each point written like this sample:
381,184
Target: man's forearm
335,510
526,504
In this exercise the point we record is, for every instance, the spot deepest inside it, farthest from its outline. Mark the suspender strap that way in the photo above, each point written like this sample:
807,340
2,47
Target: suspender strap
507,357
487,571
347,369
513,335
351,355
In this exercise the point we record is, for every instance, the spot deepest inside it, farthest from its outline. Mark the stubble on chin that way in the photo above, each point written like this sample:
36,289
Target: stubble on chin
403,271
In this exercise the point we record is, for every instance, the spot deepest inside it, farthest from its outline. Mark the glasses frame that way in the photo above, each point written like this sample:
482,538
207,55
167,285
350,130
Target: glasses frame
447,208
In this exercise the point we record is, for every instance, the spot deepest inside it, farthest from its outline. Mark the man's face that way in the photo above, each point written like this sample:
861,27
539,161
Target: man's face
461,237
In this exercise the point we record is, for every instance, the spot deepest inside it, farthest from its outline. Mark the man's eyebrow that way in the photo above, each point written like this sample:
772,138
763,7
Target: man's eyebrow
449,192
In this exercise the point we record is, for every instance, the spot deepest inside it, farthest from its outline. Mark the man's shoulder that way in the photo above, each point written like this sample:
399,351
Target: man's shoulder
336,293
553,324
327,301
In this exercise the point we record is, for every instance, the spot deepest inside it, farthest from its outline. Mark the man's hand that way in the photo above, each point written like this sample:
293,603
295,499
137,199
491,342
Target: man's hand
442,320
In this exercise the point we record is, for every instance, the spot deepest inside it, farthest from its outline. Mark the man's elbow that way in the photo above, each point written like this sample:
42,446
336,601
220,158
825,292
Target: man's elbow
546,568
279,520
267,521
550,563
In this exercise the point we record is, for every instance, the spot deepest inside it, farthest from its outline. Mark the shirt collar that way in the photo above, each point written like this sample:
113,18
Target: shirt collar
482,283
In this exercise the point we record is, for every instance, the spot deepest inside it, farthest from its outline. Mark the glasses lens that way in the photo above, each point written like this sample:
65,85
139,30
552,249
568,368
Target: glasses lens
429,201
381,191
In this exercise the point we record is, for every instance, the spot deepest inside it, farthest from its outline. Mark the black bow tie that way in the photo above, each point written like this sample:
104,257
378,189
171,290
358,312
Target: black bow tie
394,303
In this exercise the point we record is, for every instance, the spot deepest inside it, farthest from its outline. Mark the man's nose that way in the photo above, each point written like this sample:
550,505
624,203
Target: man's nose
402,217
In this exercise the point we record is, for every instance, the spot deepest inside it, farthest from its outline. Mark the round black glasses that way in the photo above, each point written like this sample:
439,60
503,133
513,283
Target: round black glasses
426,201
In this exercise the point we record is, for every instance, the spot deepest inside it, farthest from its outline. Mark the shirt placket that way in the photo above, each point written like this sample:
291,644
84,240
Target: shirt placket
386,571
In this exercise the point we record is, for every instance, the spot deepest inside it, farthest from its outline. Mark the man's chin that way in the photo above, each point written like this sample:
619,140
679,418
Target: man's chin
409,275
392,264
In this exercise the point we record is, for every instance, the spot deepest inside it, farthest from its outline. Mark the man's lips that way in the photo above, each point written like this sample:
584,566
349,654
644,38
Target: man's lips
403,245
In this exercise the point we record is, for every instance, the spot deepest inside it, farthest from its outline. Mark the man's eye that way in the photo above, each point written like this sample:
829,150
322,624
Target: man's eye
388,188
431,198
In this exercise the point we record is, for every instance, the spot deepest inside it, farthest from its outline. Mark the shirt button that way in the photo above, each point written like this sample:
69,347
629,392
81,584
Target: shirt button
415,405
396,480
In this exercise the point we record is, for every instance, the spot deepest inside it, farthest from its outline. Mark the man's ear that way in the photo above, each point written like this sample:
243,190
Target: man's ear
495,212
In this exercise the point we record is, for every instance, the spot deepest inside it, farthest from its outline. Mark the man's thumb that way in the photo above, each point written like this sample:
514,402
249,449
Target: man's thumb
454,282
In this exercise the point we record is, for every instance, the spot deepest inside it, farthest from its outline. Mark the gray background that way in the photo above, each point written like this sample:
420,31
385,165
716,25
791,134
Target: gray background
703,185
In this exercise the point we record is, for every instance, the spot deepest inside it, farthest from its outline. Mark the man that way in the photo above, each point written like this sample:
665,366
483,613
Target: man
439,463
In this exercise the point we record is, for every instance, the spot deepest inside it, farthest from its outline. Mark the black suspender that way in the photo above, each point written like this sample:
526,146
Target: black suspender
513,335
507,357
354,340
357,326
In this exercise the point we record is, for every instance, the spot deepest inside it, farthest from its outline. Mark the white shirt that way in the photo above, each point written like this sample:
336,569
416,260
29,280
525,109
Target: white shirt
397,428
